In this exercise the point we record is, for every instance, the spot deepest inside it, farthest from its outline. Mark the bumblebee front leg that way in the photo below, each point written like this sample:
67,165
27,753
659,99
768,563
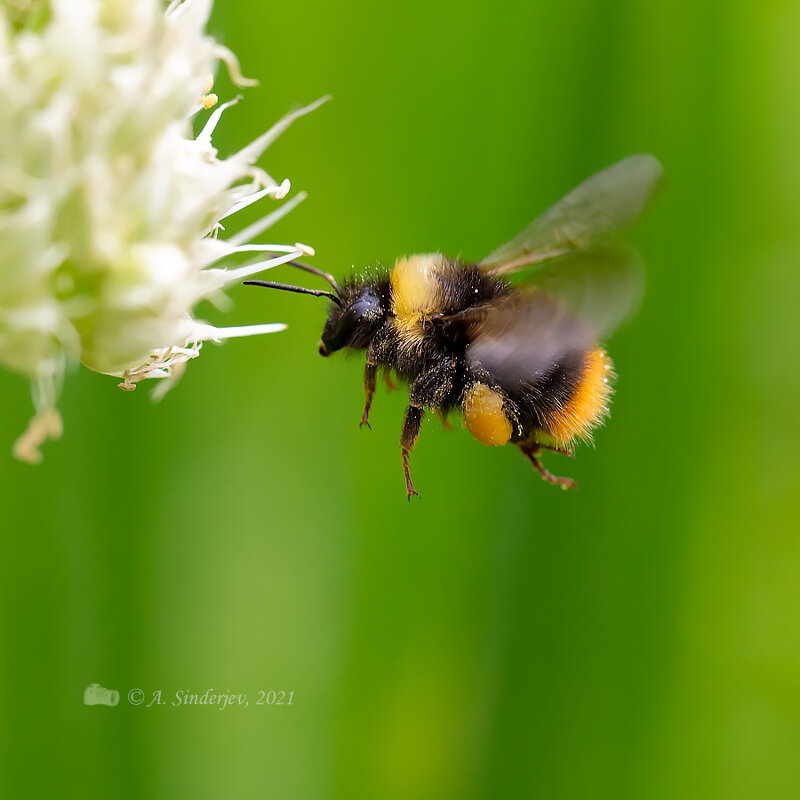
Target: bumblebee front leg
408,438
532,453
370,372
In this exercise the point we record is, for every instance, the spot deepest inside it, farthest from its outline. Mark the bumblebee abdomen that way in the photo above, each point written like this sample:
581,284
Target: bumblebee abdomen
575,415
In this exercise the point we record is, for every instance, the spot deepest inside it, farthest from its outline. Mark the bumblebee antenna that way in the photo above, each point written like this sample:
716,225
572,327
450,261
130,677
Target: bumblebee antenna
285,287
314,271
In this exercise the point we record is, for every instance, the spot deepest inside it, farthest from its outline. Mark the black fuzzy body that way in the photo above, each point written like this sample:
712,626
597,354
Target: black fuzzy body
436,361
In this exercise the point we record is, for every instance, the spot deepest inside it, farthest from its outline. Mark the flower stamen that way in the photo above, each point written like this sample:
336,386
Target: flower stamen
113,208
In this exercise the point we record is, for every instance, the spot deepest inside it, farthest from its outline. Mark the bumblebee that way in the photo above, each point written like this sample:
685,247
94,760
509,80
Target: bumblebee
512,341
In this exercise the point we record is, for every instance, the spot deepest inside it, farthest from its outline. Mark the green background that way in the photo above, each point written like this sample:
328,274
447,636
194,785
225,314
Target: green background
497,638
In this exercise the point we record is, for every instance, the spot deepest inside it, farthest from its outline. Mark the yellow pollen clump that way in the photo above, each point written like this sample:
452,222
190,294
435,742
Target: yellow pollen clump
484,416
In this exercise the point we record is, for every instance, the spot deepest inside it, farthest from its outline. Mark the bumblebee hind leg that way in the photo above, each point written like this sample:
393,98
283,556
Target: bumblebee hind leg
532,451
564,451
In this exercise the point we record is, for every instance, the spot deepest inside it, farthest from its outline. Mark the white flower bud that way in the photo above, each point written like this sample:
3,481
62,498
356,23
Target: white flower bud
110,208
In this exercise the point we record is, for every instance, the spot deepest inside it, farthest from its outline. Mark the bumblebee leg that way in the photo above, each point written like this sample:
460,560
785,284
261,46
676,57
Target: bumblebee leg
432,389
370,371
532,453
564,451
390,384
411,426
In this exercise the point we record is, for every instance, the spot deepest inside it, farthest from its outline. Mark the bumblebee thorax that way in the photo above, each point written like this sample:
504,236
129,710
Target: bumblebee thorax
416,291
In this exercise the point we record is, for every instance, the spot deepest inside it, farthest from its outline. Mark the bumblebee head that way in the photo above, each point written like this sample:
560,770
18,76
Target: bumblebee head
352,320
355,314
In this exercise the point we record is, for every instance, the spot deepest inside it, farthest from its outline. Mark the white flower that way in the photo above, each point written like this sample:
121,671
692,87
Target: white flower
110,209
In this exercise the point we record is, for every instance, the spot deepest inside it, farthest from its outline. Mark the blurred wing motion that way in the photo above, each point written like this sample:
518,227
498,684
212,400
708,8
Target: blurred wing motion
584,284
575,302
587,218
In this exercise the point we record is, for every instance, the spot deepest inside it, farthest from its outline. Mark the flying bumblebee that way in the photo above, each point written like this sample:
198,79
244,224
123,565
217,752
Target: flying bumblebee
512,341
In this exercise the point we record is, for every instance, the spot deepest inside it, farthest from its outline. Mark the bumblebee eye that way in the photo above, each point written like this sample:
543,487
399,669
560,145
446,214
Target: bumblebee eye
366,308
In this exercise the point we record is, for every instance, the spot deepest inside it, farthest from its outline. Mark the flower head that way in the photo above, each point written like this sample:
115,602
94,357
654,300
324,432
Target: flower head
110,208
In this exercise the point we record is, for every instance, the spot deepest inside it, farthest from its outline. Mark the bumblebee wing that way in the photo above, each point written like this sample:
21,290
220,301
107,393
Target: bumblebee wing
575,302
588,217
521,339
601,287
